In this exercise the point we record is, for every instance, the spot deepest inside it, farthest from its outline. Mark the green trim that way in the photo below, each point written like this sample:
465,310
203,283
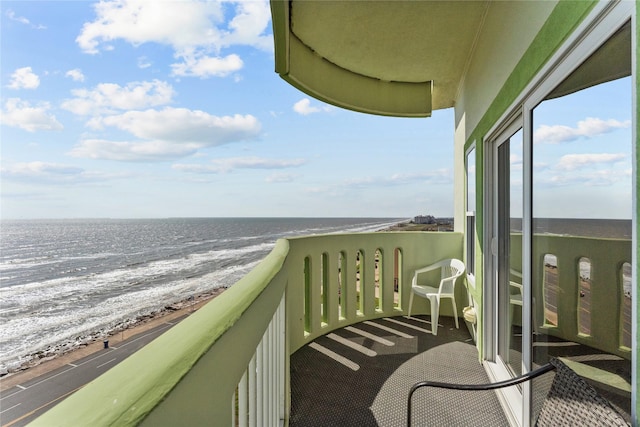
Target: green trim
564,19
126,394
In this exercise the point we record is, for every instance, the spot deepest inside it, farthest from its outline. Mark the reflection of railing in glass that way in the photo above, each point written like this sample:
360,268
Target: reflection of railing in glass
377,280
582,291
550,288
627,303
324,287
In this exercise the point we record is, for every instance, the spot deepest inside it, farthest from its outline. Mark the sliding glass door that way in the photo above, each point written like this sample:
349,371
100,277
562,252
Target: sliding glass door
558,224
504,301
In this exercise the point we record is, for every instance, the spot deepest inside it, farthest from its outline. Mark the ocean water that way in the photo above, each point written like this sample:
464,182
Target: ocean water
598,228
64,283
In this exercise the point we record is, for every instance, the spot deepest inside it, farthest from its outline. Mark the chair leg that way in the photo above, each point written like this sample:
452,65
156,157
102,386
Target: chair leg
435,314
455,312
410,304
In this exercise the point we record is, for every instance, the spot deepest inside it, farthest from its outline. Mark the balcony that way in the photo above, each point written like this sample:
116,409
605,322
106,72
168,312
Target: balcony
256,354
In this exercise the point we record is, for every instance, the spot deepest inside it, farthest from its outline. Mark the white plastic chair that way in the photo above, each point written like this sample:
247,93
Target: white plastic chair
450,270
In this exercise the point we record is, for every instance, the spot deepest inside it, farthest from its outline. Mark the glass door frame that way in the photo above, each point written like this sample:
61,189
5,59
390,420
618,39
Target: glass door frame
511,398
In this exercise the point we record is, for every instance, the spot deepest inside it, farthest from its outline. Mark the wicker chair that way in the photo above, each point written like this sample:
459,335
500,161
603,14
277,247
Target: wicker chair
570,401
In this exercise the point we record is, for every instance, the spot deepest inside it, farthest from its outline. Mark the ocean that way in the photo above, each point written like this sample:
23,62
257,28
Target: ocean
65,283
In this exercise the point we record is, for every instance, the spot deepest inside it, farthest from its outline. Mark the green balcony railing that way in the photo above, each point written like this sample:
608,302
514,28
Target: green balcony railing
228,363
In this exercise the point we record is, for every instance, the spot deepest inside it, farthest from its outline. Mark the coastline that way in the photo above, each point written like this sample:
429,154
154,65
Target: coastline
41,365
409,225
49,357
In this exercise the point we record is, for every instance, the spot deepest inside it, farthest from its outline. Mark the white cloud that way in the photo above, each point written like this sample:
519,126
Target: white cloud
229,164
281,177
248,25
304,107
192,28
438,176
586,128
110,97
143,62
53,173
24,78
41,168
207,66
18,113
166,134
571,162
184,125
132,151
591,178
179,24
21,19
75,74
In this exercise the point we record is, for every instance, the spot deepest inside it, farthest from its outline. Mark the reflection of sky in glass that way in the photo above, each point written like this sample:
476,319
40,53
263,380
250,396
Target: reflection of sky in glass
582,153
471,181
515,176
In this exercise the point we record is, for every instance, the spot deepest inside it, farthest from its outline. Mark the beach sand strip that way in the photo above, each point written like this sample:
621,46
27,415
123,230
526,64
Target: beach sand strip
44,366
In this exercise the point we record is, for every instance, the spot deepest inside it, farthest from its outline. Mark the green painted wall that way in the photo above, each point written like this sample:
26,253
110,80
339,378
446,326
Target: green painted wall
418,249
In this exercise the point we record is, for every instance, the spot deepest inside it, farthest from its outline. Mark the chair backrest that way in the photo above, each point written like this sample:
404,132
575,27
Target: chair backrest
450,270
572,401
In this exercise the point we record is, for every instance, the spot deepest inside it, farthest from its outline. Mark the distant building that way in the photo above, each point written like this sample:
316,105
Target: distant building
424,219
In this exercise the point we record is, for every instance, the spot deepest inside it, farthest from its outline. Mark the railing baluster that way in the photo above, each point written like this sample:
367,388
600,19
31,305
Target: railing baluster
259,389
265,379
281,359
242,401
252,392
271,372
233,408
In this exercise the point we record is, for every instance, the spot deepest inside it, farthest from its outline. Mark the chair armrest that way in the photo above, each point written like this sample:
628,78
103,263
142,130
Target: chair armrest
516,285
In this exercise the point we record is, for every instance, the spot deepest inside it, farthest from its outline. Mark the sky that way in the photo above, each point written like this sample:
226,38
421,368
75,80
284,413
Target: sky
154,109
582,158
129,109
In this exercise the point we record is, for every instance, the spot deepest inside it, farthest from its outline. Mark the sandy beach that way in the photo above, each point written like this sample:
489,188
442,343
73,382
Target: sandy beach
39,367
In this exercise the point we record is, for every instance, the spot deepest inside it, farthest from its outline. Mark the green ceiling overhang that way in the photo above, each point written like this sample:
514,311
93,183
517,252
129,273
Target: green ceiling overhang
313,74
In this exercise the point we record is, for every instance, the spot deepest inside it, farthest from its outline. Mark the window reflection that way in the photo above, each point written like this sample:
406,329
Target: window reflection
581,194
471,211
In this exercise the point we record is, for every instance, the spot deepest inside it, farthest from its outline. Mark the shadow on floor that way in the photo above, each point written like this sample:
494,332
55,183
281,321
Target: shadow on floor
361,376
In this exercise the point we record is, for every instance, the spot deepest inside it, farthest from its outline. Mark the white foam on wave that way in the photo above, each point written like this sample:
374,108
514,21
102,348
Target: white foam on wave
342,230
35,316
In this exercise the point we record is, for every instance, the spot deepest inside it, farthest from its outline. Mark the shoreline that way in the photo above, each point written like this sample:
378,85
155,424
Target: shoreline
58,354
41,365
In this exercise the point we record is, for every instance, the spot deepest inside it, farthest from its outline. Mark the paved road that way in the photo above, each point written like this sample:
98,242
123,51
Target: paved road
25,402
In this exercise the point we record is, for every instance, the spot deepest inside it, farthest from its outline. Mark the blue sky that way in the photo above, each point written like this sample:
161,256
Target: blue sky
161,109
182,114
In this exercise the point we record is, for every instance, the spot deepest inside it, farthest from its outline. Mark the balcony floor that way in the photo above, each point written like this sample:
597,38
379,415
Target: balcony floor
334,384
